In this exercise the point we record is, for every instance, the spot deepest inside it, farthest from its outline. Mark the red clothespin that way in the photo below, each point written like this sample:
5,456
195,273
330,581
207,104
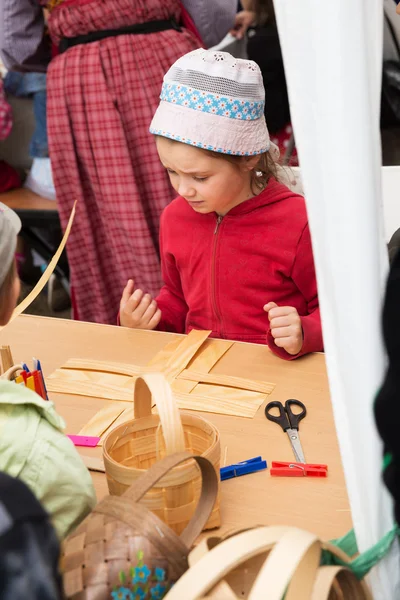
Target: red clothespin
293,469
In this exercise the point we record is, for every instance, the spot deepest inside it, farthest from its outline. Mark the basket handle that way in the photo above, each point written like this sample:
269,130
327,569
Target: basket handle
292,565
330,577
10,372
209,490
155,387
233,552
336,551
290,568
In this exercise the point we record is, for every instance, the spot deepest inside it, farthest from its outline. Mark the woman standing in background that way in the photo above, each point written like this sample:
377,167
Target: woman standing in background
103,89
264,48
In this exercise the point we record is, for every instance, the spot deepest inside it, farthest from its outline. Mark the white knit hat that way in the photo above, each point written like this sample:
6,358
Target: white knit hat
10,226
214,101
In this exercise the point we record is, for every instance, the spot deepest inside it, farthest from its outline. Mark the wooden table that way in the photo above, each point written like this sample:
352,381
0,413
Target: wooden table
320,505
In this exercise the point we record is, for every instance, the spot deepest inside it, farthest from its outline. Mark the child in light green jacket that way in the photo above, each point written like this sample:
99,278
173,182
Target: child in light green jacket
33,446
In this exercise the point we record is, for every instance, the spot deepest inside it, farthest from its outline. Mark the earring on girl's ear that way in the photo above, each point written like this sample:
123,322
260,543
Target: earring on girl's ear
259,173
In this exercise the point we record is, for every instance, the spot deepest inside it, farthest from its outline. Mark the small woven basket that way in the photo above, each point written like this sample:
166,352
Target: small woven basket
133,447
122,550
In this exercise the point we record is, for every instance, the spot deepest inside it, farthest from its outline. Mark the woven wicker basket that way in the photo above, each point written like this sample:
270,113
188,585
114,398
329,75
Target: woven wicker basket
122,547
133,447
267,563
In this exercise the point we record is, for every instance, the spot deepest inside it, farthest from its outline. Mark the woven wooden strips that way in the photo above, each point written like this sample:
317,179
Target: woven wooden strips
212,398
6,359
231,397
86,377
158,361
209,354
227,381
102,420
186,363
202,362
74,545
222,403
124,548
83,364
184,353
71,382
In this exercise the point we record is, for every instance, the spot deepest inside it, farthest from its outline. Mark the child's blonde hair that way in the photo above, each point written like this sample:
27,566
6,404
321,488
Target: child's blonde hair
265,168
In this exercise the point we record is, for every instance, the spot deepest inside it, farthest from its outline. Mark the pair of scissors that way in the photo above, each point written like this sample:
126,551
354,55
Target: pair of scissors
289,421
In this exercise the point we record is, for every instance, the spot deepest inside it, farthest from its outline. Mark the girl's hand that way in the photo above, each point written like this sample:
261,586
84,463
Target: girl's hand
243,21
286,327
138,310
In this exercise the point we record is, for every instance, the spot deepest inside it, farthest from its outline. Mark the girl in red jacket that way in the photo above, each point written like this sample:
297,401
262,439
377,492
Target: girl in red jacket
235,245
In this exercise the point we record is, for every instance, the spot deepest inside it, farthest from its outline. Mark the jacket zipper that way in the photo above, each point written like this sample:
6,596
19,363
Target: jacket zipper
213,282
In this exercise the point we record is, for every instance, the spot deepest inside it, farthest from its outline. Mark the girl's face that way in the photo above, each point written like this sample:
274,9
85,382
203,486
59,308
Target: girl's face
207,183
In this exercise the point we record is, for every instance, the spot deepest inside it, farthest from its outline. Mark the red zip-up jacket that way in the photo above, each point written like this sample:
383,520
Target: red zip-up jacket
219,272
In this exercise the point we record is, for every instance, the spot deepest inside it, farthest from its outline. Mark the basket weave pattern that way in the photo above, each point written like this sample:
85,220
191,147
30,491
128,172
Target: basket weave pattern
133,447
122,544
107,548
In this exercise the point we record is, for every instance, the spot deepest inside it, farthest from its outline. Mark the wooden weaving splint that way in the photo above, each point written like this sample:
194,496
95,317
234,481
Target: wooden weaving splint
185,362
6,359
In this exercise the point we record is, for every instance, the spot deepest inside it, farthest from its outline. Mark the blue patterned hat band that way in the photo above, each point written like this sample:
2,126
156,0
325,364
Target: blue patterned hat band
216,104
214,101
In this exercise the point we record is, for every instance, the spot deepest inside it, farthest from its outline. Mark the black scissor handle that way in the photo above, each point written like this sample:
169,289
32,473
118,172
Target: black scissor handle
295,418
281,419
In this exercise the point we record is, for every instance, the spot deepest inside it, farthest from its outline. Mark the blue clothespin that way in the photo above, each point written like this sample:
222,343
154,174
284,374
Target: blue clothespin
25,368
243,468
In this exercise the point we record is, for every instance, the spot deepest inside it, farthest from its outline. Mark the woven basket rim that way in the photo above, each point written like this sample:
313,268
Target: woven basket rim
182,467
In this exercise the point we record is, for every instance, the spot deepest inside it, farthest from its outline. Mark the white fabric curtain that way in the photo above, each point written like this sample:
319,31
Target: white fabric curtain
332,51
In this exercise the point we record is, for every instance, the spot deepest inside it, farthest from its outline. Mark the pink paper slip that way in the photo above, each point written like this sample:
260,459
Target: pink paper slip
84,440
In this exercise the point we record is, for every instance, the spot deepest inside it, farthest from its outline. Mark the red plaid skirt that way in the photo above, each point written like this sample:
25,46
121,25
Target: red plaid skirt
101,99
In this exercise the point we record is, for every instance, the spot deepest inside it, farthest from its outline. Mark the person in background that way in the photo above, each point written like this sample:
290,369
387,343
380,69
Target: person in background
263,46
212,20
387,406
235,245
33,446
9,178
102,89
394,243
33,85
6,121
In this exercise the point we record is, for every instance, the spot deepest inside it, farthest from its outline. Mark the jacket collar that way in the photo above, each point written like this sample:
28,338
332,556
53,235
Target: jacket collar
274,192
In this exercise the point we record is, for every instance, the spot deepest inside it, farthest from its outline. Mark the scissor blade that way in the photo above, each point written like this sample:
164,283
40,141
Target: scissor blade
296,445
